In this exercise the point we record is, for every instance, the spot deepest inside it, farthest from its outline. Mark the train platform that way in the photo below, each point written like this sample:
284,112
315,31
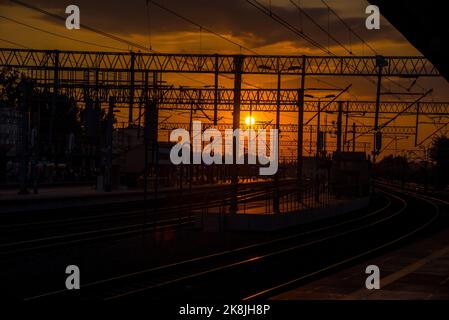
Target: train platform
67,196
260,216
418,271
61,192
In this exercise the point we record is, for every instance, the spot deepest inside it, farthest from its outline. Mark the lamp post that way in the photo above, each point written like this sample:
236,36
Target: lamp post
381,62
318,136
279,71
318,144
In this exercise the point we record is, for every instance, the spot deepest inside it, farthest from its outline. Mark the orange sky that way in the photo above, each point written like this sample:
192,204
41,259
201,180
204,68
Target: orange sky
236,20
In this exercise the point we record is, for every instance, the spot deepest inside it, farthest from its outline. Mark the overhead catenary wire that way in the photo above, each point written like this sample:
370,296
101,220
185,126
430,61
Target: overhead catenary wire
147,11
14,43
293,29
300,33
350,29
320,27
95,30
103,33
17,1
119,39
201,27
84,26
59,35
256,4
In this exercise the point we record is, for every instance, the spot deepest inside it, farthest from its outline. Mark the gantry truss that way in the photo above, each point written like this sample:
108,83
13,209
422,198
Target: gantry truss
266,100
211,63
257,100
289,128
134,79
330,144
85,74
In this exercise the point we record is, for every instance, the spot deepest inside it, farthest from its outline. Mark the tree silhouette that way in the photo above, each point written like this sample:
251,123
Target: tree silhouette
439,153
52,117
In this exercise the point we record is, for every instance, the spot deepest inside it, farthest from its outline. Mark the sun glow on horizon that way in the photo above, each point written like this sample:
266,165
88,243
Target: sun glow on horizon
249,121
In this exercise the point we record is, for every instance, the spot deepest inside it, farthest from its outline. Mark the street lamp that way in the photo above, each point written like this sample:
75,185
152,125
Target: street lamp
208,86
318,138
279,73
278,116
268,68
319,144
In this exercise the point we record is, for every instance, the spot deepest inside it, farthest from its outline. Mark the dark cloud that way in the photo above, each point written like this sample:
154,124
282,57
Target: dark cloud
235,17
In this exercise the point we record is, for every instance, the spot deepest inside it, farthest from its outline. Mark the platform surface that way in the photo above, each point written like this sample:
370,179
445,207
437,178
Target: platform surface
418,271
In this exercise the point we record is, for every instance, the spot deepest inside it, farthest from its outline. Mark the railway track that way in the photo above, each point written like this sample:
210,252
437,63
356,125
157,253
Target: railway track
268,292
125,224
167,276
264,269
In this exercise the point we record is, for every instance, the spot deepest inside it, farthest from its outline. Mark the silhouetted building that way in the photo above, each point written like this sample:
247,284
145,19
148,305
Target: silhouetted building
350,174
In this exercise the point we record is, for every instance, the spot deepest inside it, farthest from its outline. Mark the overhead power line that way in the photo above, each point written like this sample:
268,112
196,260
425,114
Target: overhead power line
201,27
92,29
108,35
59,35
14,43
268,12
84,26
320,27
350,29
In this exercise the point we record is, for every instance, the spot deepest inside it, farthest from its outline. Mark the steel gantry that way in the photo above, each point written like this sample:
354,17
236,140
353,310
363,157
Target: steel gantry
135,78
211,63
288,128
263,100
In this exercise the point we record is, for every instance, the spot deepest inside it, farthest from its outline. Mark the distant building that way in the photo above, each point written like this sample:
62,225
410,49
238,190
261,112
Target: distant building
350,174
131,164
127,138
9,127
9,131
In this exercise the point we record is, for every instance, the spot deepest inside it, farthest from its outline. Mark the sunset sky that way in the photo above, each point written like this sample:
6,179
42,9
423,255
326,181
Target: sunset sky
237,20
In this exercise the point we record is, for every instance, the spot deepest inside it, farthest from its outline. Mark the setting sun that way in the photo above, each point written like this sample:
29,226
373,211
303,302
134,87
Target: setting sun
249,121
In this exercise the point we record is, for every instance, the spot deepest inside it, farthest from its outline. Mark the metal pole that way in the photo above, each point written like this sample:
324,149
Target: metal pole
23,141
146,138
301,125
339,125
325,136
108,164
96,141
216,91
36,148
132,88
380,64
353,136
318,147
278,122
317,155
346,128
417,124
154,135
139,122
191,149
238,63
53,101
310,141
